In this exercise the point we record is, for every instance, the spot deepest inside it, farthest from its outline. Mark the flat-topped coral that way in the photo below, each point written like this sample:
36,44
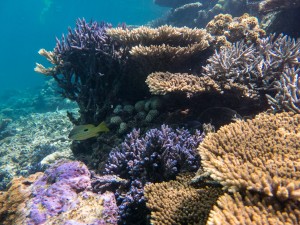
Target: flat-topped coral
253,209
161,83
177,202
261,154
162,48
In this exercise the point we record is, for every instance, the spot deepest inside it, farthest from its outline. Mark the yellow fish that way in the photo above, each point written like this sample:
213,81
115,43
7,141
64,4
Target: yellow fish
83,132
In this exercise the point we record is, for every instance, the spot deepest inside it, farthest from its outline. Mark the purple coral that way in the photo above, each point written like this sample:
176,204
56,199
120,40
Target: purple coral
271,66
157,156
58,191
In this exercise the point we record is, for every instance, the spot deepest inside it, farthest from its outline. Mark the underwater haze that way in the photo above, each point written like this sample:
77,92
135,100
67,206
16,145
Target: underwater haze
33,24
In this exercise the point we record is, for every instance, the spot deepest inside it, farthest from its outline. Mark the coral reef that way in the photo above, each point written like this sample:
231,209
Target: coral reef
198,13
178,202
37,136
59,196
277,5
253,209
157,156
259,155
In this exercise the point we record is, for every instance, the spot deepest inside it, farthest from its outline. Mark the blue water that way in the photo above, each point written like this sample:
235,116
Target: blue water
27,26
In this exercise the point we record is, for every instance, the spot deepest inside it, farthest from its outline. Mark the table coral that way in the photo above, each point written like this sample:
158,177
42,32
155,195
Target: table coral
253,209
261,155
161,83
177,202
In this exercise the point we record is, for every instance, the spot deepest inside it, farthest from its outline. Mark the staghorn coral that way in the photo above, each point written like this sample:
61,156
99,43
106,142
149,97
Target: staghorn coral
261,154
288,95
177,202
229,30
157,156
161,83
253,209
62,195
267,6
82,63
251,69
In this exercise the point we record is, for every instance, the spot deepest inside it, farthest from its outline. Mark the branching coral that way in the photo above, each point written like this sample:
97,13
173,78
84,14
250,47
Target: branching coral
260,155
178,202
161,83
158,156
265,66
86,68
253,209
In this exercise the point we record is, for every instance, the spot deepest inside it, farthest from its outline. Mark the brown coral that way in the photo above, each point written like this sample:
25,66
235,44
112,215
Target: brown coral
261,154
253,209
276,5
161,83
245,28
177,202
13,201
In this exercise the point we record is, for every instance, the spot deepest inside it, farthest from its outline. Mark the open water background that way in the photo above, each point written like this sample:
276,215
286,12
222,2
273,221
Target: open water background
28,25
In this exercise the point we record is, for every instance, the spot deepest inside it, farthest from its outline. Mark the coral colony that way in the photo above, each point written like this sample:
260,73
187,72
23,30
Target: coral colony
159,162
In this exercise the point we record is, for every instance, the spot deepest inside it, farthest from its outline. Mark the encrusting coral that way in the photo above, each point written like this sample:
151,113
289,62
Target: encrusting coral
261,155
61,195
178,202
253,209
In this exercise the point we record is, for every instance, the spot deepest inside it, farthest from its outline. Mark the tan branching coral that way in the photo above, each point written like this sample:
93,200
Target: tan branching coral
245,28
261,154
177,202
52,58
253,209
161,83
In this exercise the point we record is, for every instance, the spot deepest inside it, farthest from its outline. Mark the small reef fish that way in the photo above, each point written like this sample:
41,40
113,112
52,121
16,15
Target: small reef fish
83,132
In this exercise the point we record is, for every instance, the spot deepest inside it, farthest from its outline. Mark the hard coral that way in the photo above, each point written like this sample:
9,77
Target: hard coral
178,202
162,48
253,209
157,156
161,83
261,155
59,196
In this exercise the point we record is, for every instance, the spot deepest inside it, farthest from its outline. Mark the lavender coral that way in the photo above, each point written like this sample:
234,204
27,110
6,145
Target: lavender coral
62,195
157,156
271,65
86,67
